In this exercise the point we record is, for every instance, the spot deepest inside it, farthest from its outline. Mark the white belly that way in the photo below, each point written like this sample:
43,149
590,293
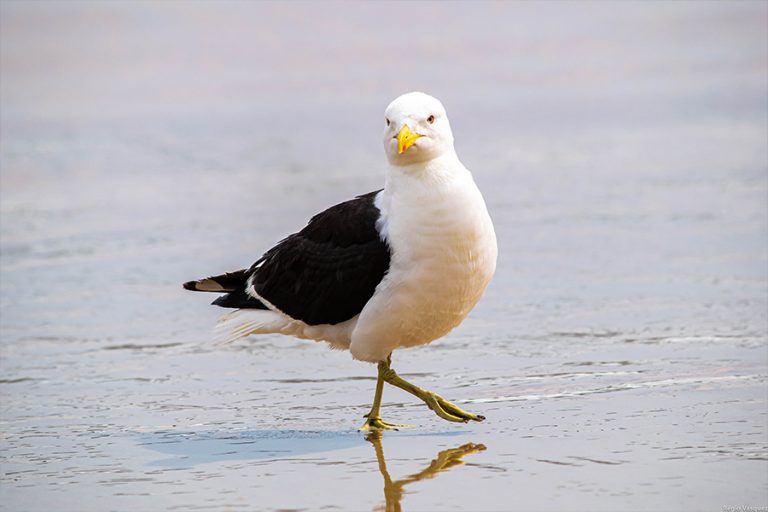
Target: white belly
443,256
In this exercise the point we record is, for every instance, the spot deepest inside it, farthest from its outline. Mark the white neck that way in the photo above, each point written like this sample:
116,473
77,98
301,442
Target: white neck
445,168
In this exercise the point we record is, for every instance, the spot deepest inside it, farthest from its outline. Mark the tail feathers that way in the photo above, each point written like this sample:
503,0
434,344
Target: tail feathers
242,323
228,282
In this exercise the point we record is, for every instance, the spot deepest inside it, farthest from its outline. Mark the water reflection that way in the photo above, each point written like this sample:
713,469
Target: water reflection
393,490
190,449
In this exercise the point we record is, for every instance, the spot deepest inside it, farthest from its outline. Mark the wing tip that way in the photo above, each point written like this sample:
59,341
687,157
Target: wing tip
228,282
209,284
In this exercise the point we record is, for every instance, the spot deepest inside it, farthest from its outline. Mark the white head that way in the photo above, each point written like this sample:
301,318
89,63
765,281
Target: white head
417,129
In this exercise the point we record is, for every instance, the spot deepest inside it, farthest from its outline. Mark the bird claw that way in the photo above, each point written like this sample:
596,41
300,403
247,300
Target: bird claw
376,423
449,411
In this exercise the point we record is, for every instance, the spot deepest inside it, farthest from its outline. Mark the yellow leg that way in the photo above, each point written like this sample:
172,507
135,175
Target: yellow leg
438,404
374,421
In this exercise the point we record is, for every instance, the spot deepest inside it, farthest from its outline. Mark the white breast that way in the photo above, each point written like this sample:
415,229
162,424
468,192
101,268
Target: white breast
443,254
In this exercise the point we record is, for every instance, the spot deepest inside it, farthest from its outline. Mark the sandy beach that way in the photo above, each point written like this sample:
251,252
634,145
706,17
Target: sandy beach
620,354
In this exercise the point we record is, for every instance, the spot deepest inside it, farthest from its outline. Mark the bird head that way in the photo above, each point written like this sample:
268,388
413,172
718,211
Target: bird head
417,129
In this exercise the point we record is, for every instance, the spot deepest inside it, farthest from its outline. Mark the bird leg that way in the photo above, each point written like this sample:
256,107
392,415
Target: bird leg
374,421
438,404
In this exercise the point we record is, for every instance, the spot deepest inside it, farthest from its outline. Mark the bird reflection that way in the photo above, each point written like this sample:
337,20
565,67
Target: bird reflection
393,490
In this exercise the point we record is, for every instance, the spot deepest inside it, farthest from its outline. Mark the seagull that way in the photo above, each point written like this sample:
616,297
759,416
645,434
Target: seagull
398,267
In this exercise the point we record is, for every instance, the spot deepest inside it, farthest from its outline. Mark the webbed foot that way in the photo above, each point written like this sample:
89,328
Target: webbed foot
374,423
447,410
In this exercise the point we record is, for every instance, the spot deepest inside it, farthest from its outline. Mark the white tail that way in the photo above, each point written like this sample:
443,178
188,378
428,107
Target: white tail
244,322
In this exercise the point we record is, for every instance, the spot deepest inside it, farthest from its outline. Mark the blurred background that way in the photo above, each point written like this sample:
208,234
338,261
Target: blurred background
621,148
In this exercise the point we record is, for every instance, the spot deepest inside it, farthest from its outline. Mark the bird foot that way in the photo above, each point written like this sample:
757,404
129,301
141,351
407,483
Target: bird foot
447,410
375,423
438,404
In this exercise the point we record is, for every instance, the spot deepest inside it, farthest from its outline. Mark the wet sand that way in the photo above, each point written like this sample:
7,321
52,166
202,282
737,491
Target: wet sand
619,355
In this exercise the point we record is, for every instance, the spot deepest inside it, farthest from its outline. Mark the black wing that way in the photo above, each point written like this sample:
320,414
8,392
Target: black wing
325,273
232,282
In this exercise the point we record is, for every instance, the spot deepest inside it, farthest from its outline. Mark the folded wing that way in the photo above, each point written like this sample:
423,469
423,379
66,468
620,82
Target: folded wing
324,274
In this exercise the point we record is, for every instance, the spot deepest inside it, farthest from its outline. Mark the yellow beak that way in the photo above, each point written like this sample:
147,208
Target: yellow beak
405,139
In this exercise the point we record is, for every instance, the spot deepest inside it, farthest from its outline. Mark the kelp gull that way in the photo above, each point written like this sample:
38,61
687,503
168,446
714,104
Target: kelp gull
398,267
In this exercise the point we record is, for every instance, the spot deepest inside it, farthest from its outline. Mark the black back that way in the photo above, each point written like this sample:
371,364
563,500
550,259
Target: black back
325,273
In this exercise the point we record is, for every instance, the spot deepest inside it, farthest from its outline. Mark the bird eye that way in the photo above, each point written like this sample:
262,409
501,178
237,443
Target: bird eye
431,119
387,120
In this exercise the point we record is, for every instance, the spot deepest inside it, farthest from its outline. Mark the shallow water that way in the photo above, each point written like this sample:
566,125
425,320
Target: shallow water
619,355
